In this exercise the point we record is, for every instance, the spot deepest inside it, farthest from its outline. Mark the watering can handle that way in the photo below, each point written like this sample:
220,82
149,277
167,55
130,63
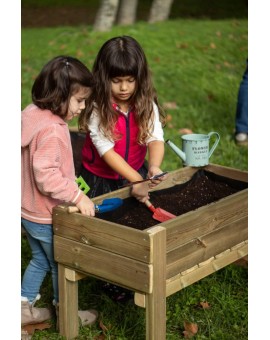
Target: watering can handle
212,133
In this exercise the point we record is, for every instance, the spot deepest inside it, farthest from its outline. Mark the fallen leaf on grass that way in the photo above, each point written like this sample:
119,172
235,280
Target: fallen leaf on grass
169,118
170,105
185,131
183,45
190,329
204,305
103,327
227,64
30,329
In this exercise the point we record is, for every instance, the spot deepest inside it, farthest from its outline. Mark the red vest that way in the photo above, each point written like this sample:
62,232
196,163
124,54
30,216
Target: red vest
127,147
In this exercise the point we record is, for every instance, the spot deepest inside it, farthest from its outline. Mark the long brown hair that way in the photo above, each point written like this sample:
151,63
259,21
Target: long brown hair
118,57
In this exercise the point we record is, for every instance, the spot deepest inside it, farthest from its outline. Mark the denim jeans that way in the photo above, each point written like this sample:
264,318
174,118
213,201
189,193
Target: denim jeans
40,238
241,121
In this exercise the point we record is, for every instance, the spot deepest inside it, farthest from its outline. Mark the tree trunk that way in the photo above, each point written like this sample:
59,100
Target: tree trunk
106,15
127,12
160,10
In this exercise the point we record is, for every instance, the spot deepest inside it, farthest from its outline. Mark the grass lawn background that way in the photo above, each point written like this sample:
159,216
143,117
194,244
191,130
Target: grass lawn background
197,66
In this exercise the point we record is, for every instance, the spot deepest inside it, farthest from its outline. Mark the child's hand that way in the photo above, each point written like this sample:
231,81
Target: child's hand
152,171
86,206
140,192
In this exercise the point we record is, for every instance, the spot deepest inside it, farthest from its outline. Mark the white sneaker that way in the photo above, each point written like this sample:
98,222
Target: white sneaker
241,138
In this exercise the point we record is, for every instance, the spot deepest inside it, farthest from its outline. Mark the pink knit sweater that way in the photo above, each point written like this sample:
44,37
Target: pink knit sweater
47,169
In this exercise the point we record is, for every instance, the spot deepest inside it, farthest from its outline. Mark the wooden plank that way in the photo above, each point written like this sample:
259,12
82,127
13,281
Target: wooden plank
102,234
184,174
228,172
68,305
178,282
155,302
105,265
175,177
140,299
200,250
72,275
216,215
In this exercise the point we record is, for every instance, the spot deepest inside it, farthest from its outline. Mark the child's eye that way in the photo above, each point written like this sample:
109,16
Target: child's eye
131,80
115,80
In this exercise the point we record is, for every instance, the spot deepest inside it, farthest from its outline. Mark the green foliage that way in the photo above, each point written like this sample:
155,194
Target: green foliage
180,9
198,66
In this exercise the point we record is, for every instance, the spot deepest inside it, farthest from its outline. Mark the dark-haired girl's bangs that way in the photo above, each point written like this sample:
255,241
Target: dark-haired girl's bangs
123,67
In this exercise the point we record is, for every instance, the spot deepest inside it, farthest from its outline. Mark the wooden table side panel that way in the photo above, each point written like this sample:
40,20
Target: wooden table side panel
206,219
225,171
104,265
105,235
206,246
179,281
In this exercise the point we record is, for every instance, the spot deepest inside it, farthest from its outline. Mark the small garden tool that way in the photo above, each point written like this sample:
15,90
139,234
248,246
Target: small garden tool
160,215
82,184
146,179
108,204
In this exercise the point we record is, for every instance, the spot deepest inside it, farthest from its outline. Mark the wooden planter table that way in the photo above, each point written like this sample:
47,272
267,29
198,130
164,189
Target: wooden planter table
155,262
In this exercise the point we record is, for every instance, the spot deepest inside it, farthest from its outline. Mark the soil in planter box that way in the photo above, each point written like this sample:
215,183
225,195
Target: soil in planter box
203,188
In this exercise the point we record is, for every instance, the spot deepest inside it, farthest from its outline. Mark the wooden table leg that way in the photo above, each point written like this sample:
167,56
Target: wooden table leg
68,304
156,301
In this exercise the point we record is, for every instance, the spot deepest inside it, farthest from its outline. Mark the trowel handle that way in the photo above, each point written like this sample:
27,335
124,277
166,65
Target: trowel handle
74,209
150,206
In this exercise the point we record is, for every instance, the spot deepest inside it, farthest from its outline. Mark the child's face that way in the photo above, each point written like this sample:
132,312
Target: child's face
123,88
77,102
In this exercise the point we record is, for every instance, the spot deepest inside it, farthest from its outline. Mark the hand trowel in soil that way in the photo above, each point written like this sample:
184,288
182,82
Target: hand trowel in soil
160,215
109,204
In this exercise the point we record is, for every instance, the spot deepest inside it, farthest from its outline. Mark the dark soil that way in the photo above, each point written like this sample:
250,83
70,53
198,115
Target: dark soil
204,188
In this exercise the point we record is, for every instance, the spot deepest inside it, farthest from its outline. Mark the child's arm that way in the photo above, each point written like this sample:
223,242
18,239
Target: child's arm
119,165
155,158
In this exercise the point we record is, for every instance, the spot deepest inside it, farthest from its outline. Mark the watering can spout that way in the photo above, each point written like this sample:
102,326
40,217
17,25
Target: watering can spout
179,152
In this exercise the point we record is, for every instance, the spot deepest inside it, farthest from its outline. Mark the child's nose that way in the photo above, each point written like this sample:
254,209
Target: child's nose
123,85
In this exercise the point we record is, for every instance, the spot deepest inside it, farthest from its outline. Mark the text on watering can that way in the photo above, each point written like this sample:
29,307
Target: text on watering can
200,149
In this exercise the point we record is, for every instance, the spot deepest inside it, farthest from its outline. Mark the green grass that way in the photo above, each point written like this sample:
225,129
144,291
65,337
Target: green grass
198,65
